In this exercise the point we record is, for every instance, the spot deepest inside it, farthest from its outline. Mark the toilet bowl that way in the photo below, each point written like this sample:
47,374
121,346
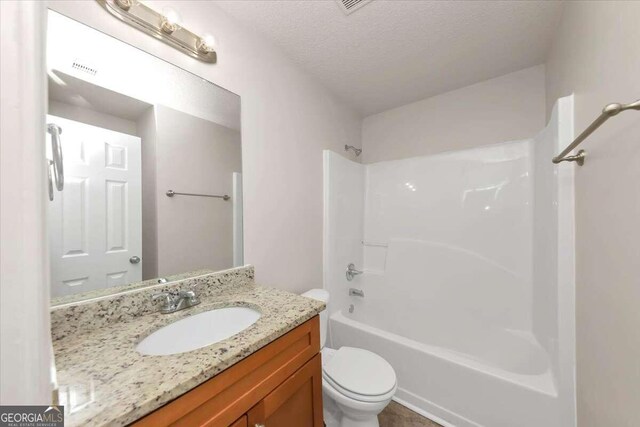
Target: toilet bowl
357,384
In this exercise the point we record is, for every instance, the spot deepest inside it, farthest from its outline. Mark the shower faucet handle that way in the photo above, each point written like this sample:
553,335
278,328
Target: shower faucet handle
352,272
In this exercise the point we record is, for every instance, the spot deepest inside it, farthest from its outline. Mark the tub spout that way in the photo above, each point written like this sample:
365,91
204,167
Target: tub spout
353,292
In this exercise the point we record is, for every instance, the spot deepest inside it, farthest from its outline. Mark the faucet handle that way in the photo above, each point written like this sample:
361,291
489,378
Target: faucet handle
176,300
352,272
168,298
190,295
161,295
169,303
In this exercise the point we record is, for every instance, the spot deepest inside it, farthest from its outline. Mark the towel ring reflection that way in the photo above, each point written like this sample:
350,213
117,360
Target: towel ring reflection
56,151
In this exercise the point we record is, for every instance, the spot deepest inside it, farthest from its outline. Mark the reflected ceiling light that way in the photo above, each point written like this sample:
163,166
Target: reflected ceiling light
165,26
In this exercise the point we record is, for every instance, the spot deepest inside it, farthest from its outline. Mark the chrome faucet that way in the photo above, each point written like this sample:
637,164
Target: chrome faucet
176,301
352,272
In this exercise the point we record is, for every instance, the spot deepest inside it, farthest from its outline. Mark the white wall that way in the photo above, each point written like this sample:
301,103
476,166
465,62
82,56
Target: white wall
553,301
596,56
24,271
507,108
194,156
287,120
91,117
545,232
427,216
146,126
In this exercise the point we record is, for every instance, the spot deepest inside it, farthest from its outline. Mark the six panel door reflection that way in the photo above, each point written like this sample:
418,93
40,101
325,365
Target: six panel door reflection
95,222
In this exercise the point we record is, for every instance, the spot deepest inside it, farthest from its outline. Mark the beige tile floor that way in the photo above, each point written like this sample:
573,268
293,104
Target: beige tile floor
396,415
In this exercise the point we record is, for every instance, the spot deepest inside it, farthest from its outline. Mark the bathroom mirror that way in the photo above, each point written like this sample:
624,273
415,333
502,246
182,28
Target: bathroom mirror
144,165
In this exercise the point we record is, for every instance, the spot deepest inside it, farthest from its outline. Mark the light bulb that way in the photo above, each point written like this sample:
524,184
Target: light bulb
124,4
209,41
170,20
171,16
206,44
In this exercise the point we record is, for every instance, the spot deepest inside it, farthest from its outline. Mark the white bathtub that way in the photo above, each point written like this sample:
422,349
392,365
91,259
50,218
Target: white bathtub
468,276
468,378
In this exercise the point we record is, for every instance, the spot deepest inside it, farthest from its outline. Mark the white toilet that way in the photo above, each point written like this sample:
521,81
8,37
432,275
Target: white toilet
357,384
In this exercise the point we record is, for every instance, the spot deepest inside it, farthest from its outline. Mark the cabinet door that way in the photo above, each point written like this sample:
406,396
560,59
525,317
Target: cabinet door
295,402
240,422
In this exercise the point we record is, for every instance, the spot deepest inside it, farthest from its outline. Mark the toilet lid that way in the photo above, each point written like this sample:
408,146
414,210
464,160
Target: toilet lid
361,372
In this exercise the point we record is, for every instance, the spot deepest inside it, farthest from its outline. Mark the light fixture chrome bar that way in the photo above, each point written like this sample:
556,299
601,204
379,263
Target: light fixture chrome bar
155,24
171,193
608,111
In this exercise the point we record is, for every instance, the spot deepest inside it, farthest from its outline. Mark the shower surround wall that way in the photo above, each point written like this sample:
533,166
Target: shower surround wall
427,216
464,294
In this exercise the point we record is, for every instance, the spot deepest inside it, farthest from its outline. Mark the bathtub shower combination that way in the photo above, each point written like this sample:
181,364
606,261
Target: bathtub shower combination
468,276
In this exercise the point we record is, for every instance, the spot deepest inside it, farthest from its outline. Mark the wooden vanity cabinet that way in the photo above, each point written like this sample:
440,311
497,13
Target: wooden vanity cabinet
241,422
293,402
279,385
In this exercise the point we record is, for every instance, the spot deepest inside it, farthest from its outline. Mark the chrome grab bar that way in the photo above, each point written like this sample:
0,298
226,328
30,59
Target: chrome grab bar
56,153
607,112
171,193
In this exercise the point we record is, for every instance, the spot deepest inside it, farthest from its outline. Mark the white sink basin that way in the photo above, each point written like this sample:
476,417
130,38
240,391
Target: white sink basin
197,331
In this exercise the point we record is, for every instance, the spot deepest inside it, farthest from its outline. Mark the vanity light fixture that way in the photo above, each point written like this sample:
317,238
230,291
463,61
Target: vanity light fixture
164,26
167,26
206,44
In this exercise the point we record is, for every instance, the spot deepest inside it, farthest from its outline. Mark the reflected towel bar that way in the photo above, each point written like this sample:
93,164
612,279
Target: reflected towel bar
171,193
608,111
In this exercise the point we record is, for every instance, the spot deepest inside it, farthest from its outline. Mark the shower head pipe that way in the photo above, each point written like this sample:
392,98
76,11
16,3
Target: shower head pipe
355,150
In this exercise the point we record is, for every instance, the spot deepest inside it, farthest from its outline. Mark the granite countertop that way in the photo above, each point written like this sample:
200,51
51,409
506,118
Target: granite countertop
103,380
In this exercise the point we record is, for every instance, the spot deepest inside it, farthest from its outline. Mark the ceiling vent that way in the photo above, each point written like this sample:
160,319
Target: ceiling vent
350,6
77,65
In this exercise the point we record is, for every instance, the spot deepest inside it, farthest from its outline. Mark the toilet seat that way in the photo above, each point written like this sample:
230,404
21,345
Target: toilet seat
360,375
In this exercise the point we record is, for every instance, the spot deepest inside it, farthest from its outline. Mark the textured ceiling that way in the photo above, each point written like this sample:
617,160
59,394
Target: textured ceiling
390,53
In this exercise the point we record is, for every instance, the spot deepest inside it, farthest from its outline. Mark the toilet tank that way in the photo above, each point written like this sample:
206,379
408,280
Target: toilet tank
321,295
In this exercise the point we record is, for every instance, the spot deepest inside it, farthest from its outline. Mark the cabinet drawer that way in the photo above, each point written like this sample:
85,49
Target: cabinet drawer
220,401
